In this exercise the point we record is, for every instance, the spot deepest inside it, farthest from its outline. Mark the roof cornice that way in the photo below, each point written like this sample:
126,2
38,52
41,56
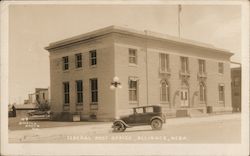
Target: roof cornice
143,34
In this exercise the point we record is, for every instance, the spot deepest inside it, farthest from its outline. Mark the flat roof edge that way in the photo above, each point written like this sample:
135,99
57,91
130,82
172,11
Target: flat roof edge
145,34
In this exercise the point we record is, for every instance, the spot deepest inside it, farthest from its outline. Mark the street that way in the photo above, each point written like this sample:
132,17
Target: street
210,129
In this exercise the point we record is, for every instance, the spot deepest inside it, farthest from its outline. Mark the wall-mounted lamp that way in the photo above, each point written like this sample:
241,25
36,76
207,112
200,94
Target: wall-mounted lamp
115,83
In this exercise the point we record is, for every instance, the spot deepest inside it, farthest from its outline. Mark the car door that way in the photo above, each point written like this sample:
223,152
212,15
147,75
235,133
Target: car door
130,119
139,116
149,113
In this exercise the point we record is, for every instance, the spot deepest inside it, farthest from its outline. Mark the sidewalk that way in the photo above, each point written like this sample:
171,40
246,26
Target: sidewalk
209,118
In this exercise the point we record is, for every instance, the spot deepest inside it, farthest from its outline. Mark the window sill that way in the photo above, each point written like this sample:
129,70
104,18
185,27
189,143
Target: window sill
93,66
164,71
185,73
79,68
79,104
202,75
94,103
132,65
66,71
133,102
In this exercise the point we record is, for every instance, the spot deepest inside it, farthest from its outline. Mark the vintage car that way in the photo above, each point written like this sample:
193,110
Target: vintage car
144,115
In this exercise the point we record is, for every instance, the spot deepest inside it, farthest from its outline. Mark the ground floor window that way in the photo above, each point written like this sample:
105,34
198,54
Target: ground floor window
94,90
66,93
221,93
79,92
133,90
164,92
202,93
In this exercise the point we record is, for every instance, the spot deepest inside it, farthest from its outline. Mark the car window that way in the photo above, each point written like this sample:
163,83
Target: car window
149,109
139,110
157,109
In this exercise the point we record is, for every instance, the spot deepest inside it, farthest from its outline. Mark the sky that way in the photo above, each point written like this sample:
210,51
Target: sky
33,27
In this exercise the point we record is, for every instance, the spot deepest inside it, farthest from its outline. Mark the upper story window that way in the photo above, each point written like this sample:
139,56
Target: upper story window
94,90
93,57
79,92
132,56
184,64
202,66
78,58
66,93
220,67
133,90
164,62
65,63
221,93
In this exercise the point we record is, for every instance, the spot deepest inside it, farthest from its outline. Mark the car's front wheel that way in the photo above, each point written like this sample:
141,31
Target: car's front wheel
156,124
119,127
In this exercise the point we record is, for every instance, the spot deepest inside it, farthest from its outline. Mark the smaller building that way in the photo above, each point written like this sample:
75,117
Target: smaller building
22,110
236,88
32,98
42,95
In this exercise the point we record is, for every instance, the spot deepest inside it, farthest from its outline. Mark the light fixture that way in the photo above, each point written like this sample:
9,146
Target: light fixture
115,83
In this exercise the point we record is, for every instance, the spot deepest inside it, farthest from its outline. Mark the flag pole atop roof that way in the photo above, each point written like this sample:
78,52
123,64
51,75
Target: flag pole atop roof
179,21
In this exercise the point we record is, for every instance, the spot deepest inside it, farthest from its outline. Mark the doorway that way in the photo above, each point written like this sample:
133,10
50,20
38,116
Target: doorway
184,98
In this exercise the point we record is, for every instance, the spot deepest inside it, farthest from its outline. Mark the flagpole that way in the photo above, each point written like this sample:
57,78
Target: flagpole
179,21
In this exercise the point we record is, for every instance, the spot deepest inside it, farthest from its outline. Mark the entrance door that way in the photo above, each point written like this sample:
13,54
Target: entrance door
184,98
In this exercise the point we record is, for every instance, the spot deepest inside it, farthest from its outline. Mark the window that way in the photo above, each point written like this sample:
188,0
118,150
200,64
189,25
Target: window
202,92
94,90
93,57
149,109
184,64
132,56
164,92
221,93
44,96
78,58
66,93
133,96
65,63
164,62
202,67
79,92
221,67
139,110
236,82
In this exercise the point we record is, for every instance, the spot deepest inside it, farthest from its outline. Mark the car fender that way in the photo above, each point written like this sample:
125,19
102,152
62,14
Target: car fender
157,117
126,125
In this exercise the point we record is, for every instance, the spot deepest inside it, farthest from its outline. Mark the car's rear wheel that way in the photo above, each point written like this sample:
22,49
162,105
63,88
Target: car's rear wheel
156,124
119,127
